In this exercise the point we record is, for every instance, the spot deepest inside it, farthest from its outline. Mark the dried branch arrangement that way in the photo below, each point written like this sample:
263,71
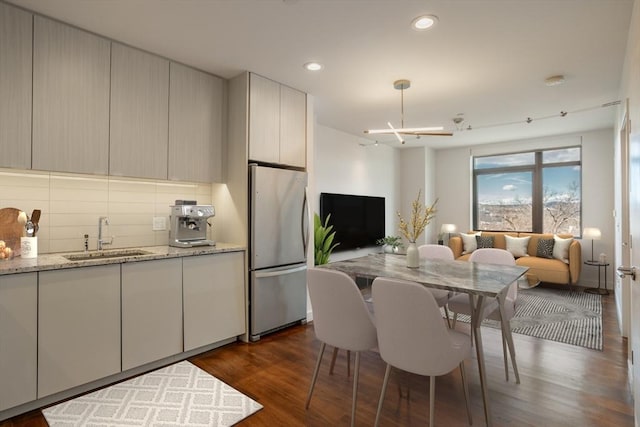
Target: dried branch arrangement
421,215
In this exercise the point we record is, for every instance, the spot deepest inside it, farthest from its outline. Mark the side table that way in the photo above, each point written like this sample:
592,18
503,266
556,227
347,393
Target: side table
598,290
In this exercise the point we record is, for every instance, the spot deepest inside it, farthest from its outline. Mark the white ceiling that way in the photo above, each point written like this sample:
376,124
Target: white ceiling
485,59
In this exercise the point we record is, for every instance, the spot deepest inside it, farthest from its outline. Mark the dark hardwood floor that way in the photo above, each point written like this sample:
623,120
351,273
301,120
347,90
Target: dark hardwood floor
561,385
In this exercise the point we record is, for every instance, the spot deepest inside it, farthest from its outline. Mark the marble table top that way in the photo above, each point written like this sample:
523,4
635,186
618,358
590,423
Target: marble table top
459,276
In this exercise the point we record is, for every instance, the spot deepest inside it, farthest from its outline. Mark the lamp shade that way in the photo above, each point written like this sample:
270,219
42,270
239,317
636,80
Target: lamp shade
591,233
448,228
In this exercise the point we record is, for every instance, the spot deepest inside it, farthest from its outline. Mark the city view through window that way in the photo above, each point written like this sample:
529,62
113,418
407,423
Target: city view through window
531,192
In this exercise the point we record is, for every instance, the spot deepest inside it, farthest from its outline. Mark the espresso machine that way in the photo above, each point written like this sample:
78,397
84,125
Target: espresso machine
188,224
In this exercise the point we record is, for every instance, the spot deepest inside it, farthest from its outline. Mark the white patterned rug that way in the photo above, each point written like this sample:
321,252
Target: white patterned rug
178,395
570,317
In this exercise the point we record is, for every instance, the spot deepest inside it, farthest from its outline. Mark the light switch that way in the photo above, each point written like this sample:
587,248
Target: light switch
159,223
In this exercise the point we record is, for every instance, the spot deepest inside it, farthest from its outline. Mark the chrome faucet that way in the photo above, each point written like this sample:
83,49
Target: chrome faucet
101,241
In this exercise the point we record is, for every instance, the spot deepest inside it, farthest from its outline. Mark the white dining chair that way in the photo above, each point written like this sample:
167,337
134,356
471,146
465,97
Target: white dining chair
436,251
431,251
491,310
413,338
340,319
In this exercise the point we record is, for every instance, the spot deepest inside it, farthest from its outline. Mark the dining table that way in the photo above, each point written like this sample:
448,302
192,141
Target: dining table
479,280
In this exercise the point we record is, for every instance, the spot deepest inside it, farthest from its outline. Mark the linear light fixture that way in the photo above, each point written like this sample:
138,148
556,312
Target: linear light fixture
395,132
401,85
403,130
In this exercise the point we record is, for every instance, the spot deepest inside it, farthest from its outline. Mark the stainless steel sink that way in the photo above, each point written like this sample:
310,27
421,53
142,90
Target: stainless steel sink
85,256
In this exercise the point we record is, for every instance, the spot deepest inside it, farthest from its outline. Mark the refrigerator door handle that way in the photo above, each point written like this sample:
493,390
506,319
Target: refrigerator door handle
273,273
305,212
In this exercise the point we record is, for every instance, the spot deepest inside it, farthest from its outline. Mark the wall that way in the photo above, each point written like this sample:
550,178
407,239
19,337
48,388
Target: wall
348,164
418,173
72,203
597,184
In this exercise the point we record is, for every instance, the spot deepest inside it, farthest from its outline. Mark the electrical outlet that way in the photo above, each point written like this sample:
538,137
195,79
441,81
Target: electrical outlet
159,223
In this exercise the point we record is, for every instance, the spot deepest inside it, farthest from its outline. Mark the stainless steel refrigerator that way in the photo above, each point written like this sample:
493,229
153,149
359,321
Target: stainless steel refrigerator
279,232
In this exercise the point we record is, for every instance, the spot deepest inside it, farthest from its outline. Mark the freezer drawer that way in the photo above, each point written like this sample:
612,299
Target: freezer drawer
278,298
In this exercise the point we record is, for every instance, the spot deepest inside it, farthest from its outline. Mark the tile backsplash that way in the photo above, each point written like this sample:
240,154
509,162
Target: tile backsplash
72,203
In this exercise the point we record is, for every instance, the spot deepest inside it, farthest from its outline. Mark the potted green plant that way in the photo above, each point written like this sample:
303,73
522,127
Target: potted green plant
322,239
390,244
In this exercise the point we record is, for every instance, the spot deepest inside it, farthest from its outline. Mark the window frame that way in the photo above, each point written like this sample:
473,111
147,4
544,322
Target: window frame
537,190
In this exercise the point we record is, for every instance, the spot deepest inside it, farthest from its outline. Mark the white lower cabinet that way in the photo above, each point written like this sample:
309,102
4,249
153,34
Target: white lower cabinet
60,329
151,311
18,339
78,327
214,298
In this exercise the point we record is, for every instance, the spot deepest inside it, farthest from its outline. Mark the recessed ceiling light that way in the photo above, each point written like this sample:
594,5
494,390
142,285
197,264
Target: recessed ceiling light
424,22
554,80
313,66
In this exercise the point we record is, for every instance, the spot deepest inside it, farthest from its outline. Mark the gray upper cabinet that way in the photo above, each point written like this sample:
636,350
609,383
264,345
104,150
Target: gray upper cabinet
277,123
139,113
196,102
15,87
70,99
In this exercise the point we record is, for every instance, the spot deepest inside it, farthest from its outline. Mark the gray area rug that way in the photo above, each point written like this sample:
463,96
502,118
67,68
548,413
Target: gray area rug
569,317
177,395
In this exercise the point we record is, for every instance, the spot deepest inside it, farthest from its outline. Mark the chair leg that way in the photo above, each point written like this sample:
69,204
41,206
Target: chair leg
455,319
432,400
348,363
315,375
465,389
382,392
333,360
355,389
446,313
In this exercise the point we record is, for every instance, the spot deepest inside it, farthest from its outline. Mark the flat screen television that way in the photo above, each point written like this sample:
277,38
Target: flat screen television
357,220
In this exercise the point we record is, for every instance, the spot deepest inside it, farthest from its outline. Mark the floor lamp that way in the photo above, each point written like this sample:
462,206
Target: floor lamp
593,234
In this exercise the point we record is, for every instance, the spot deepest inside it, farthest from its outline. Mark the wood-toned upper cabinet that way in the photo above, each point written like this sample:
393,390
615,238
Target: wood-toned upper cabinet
196,101
264,119
139,113
277,123
15,87
293,127
70,99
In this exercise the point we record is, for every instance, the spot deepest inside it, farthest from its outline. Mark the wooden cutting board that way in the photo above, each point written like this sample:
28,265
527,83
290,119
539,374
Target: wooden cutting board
12,223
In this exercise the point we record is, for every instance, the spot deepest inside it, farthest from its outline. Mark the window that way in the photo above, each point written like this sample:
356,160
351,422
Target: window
538,191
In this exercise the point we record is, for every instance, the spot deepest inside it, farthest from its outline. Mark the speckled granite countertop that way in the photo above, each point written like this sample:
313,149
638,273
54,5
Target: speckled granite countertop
57,261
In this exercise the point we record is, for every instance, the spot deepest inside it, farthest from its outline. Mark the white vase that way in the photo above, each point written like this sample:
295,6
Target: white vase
413,256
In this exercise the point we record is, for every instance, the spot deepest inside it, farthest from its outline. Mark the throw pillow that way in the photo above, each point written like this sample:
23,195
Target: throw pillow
561,248
545,248
484,242
517,245
469,243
